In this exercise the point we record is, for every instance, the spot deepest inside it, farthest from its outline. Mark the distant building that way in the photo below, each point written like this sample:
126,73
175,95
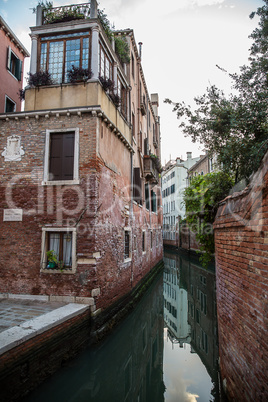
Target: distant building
203,166
12,55
174,182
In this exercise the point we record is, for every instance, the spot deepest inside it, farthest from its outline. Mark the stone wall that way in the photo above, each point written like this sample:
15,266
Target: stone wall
241,238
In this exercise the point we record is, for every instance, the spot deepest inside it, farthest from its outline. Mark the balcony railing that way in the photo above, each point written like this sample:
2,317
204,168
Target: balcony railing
66,13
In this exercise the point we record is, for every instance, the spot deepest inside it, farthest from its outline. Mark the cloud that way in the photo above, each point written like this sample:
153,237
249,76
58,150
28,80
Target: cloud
201,3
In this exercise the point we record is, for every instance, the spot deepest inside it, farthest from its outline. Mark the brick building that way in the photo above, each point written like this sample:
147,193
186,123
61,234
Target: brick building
12,55
80,167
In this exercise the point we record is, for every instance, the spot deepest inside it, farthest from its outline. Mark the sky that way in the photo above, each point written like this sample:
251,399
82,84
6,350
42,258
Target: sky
183,41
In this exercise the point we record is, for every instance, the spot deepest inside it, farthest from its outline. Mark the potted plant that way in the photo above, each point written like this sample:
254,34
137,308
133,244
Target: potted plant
106,83
52,258
39,79
116,99
77,74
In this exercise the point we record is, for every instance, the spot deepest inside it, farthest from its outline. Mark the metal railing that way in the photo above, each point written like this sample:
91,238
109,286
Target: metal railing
66,13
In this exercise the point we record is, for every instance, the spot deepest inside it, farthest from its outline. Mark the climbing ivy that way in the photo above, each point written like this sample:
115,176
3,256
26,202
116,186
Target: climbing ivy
201,199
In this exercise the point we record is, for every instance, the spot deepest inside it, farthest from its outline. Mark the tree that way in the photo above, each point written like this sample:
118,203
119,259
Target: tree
235,128
201,200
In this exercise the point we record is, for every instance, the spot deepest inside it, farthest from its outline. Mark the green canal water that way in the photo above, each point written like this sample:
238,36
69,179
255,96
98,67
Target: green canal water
165,350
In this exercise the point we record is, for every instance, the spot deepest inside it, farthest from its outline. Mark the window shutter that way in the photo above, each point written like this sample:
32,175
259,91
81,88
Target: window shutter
55,162
18,69
68,156
8,57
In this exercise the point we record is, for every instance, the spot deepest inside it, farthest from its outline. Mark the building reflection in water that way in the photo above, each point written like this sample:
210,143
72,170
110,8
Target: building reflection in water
165,350
127,366
190,313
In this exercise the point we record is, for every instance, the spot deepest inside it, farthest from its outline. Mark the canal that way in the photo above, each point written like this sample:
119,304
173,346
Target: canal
165,350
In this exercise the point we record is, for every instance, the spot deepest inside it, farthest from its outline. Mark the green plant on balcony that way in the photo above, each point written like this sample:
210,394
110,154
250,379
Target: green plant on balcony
116,99
107,83
78,74
60,14
39,79
157,162
121,45
122,49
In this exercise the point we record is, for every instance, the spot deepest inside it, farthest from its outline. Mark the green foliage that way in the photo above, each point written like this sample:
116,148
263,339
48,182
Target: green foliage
106,25
122,48
201,199
121,45
52,256
235,128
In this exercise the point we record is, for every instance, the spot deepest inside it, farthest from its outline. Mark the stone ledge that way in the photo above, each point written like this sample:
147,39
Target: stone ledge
19,334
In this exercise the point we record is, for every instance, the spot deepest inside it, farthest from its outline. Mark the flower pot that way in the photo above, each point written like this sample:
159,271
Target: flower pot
52,264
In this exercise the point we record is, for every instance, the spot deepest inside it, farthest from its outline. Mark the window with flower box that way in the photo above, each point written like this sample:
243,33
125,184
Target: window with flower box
62,241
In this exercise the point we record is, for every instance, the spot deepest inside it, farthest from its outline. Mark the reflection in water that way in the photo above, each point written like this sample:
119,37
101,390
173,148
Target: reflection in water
127,366
190,330
164,351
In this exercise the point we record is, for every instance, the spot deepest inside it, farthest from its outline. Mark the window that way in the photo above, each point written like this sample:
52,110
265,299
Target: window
204,341
153,202
105,63
10,106
143,241
137,186
151,239
14,64
147,197
127,254
132,66
172,189
61,156
63,242
59,53
203,302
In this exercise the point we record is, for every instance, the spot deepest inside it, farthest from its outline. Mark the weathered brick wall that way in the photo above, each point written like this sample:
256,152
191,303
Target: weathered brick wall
99,208
241,237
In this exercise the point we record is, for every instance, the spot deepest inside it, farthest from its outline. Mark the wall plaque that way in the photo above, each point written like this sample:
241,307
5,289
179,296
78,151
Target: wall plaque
12,215
13,151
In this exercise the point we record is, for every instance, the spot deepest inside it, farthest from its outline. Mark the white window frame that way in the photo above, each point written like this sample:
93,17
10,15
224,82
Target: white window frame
128,229
45,230
11,100
75,180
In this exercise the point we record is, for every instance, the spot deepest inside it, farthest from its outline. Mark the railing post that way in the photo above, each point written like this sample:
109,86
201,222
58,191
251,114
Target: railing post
93,9
39,15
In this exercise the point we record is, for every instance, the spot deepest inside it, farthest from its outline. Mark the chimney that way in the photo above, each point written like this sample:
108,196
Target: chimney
140,47
189,155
